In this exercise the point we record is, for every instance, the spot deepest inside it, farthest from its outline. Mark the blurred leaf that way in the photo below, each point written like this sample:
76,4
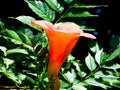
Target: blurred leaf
75,13
86,29
63,84
27,20
29,80
90,62
3,49
12,76
114,54
8,62
68,1
13,35
82,5
114,41
41,9
17,42
56,5
22,51
27,39
100,56
21,77
94,82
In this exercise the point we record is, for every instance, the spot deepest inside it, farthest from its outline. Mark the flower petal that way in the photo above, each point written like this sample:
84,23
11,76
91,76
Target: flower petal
69,28
47,26
87,35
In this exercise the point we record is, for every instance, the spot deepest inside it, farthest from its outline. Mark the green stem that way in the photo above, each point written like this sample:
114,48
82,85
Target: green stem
61,16
92,73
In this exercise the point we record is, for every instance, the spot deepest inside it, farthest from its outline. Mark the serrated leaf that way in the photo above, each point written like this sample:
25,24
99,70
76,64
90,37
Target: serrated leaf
41,9
111,65
56,5
112,81
22,51
114,54
75,13
90,62
13,35
27,20
103,74
94,82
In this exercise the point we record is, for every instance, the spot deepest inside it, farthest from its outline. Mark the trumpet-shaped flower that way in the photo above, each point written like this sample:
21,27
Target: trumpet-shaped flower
62,39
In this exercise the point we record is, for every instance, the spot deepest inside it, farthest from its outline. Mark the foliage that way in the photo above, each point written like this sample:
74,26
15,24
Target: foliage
24,51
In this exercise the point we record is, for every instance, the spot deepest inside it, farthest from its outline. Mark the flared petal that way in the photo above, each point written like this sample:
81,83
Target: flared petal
69,28
45,25
87,35
62,40
61,44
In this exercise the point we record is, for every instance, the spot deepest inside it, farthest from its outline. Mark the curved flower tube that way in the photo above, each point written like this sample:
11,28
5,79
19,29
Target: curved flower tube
62,39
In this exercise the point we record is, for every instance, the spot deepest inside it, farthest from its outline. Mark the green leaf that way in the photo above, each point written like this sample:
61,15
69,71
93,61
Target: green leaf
94,46
22,51
94,82
100,56
56,5
68,1
82,5
86,29
41,9
8,62
27,39
90,62
112,82
114,41
103,74
77,66
21,76
63,84
3,49
111,65
12,76
17,42
13,35
75,13
114,54
78,86
69,77
27,20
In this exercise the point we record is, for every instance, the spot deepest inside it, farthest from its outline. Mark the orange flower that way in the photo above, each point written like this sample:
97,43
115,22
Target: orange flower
62,39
